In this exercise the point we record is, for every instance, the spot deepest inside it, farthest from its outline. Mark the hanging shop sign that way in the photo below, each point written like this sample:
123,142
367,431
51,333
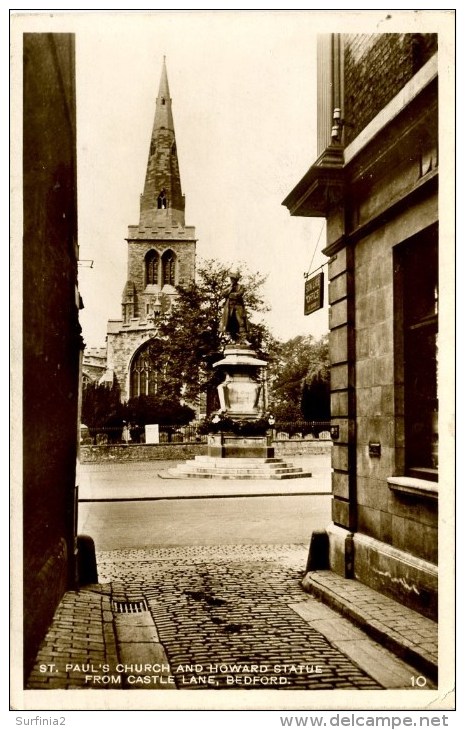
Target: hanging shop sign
314,293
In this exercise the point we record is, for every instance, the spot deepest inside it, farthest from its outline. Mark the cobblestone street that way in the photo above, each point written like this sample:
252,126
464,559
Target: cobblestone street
216,608
220,617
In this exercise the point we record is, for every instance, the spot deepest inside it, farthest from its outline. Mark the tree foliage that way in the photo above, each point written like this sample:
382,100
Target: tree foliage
101,406
146,409
299,379
189,338
103,412
316,399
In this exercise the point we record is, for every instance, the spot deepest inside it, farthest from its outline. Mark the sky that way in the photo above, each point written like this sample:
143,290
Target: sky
243,89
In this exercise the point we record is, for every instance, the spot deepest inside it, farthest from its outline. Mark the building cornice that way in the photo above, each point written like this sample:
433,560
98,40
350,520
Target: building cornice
321,186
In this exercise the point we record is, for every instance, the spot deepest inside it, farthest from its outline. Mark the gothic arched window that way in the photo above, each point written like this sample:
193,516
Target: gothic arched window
168,263
144,375
151,268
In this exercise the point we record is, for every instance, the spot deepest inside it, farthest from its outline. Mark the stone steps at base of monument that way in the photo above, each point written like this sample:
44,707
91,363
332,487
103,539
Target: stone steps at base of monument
232,460
244,477
280,470
238,477
228,465
236,470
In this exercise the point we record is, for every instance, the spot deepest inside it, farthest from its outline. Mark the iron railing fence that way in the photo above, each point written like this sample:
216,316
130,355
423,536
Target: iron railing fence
135,434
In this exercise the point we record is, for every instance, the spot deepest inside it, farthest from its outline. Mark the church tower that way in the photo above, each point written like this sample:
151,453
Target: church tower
161,255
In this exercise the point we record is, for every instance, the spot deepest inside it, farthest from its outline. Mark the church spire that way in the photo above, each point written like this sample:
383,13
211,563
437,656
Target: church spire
162,199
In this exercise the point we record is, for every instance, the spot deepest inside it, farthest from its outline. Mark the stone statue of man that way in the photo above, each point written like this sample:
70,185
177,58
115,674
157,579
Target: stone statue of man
234,322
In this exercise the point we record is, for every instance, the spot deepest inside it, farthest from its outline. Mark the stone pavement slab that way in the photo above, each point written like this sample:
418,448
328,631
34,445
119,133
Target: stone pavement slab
377,661
408,634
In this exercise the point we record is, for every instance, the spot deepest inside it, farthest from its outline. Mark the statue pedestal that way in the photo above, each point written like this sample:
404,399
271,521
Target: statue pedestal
233,455
240,393
229,445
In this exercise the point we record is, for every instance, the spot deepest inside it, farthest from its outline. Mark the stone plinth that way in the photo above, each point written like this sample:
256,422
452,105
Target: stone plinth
227,446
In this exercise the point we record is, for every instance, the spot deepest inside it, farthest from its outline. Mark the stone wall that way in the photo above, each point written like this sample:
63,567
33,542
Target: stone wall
406,524
140,452
51,331
302,447
180,452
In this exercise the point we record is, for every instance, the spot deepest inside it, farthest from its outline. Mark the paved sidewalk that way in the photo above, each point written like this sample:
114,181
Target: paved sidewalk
211,617
80,640
405,632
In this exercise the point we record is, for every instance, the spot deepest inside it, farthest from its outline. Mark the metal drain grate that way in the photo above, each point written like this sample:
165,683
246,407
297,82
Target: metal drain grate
130,606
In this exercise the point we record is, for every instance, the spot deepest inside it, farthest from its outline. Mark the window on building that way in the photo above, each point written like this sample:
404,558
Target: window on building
169,268
416,281
144,375
151,268
162,201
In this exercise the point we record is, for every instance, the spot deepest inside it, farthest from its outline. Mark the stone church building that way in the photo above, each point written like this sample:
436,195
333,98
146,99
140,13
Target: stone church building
161,255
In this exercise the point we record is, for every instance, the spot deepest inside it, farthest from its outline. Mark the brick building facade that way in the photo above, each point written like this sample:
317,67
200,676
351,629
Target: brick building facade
376,183
161,255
